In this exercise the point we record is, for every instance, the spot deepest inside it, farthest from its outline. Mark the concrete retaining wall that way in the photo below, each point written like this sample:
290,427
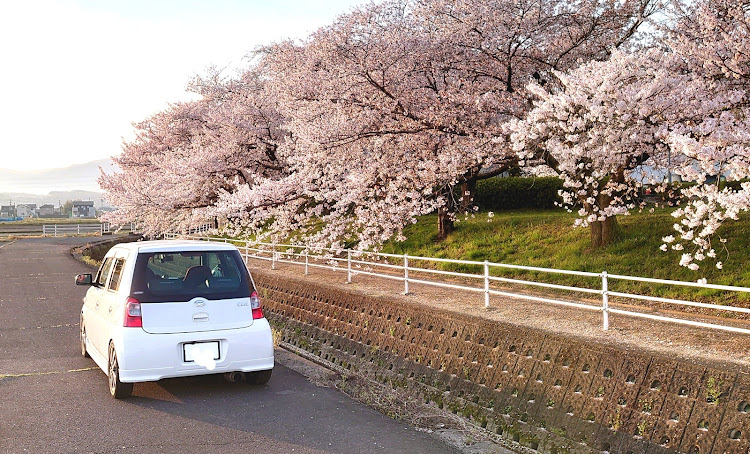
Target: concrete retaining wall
548,392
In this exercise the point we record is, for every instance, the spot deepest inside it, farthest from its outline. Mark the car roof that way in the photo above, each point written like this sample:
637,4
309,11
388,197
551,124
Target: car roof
175,246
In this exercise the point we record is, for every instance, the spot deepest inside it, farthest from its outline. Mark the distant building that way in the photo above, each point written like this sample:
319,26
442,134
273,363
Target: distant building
26,210
46,210
8,211
83,209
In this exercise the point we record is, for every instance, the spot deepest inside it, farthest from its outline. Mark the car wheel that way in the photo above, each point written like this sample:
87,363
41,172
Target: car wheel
117,389
260,377
84,353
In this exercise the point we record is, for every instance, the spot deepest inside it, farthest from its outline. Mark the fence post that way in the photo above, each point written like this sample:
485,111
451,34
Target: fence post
605,302
486,283
306,261
406,274
273,255
44,230
348,266
55,230
79,229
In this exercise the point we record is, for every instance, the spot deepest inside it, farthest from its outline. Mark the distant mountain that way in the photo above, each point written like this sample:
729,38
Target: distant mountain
79,177
77,182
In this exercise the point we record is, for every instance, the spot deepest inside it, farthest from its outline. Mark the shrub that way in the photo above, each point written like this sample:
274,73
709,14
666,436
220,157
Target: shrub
517,192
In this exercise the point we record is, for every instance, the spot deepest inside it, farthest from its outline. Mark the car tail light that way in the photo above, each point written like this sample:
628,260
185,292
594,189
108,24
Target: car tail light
255,305
133,317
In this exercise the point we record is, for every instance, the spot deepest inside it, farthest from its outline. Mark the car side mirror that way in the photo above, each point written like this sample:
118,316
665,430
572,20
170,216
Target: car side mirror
84,279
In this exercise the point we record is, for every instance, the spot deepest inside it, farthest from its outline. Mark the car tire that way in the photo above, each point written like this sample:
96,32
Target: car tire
117,389
260,377
84,352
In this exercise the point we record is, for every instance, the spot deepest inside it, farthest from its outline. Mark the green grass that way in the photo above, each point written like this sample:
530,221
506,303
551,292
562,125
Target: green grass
548,239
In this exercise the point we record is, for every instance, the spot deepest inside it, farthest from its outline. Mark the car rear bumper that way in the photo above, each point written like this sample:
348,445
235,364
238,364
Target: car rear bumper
150,357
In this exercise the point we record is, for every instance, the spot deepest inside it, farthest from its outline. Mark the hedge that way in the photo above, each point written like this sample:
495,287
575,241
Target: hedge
512,193
508,193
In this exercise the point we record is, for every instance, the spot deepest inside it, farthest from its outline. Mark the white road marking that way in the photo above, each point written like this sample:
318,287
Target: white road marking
8,244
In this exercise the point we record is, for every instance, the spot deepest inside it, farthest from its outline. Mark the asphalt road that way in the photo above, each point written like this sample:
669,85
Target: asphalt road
53,400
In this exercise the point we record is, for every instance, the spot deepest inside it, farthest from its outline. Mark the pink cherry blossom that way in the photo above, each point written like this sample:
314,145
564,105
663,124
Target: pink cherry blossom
682,107
349,135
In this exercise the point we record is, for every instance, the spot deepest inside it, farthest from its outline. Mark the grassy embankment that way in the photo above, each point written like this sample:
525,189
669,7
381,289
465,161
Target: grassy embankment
548,239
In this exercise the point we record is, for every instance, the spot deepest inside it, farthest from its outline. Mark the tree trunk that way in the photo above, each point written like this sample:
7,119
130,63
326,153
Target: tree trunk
445,223
604,232
468,190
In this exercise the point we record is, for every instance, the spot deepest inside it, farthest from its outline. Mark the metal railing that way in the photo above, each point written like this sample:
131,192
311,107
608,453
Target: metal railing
200,229
74,229
351,261
87,229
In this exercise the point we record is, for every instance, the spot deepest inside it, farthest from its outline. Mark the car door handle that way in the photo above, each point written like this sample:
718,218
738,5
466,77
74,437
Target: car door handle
200,317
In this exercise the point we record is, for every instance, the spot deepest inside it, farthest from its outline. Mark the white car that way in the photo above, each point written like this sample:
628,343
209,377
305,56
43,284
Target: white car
161,309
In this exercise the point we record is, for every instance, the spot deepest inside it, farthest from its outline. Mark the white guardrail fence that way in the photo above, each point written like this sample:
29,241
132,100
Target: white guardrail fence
85,229
74,229
354,263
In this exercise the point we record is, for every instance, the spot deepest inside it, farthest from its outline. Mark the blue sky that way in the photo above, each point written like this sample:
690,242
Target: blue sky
76,73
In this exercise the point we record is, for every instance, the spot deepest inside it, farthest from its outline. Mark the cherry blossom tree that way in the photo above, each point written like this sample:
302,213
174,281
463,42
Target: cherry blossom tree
384,118
372,121
688,100
604,122
714,39
502,45
396,104
183,158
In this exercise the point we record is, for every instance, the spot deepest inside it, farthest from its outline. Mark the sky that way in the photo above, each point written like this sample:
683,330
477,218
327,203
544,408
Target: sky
77,73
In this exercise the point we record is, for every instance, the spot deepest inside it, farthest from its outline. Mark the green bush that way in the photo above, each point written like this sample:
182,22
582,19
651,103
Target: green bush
734,185
517,192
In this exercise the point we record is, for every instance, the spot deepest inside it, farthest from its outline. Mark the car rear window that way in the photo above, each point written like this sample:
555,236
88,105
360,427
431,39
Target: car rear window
182,276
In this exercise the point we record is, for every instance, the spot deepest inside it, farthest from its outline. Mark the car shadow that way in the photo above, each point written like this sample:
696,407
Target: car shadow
288,409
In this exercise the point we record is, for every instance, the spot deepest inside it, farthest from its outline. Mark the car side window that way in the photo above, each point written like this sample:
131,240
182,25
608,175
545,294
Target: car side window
114,283
101,276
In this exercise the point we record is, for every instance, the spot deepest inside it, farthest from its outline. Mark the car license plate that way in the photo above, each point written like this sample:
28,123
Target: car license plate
189,350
